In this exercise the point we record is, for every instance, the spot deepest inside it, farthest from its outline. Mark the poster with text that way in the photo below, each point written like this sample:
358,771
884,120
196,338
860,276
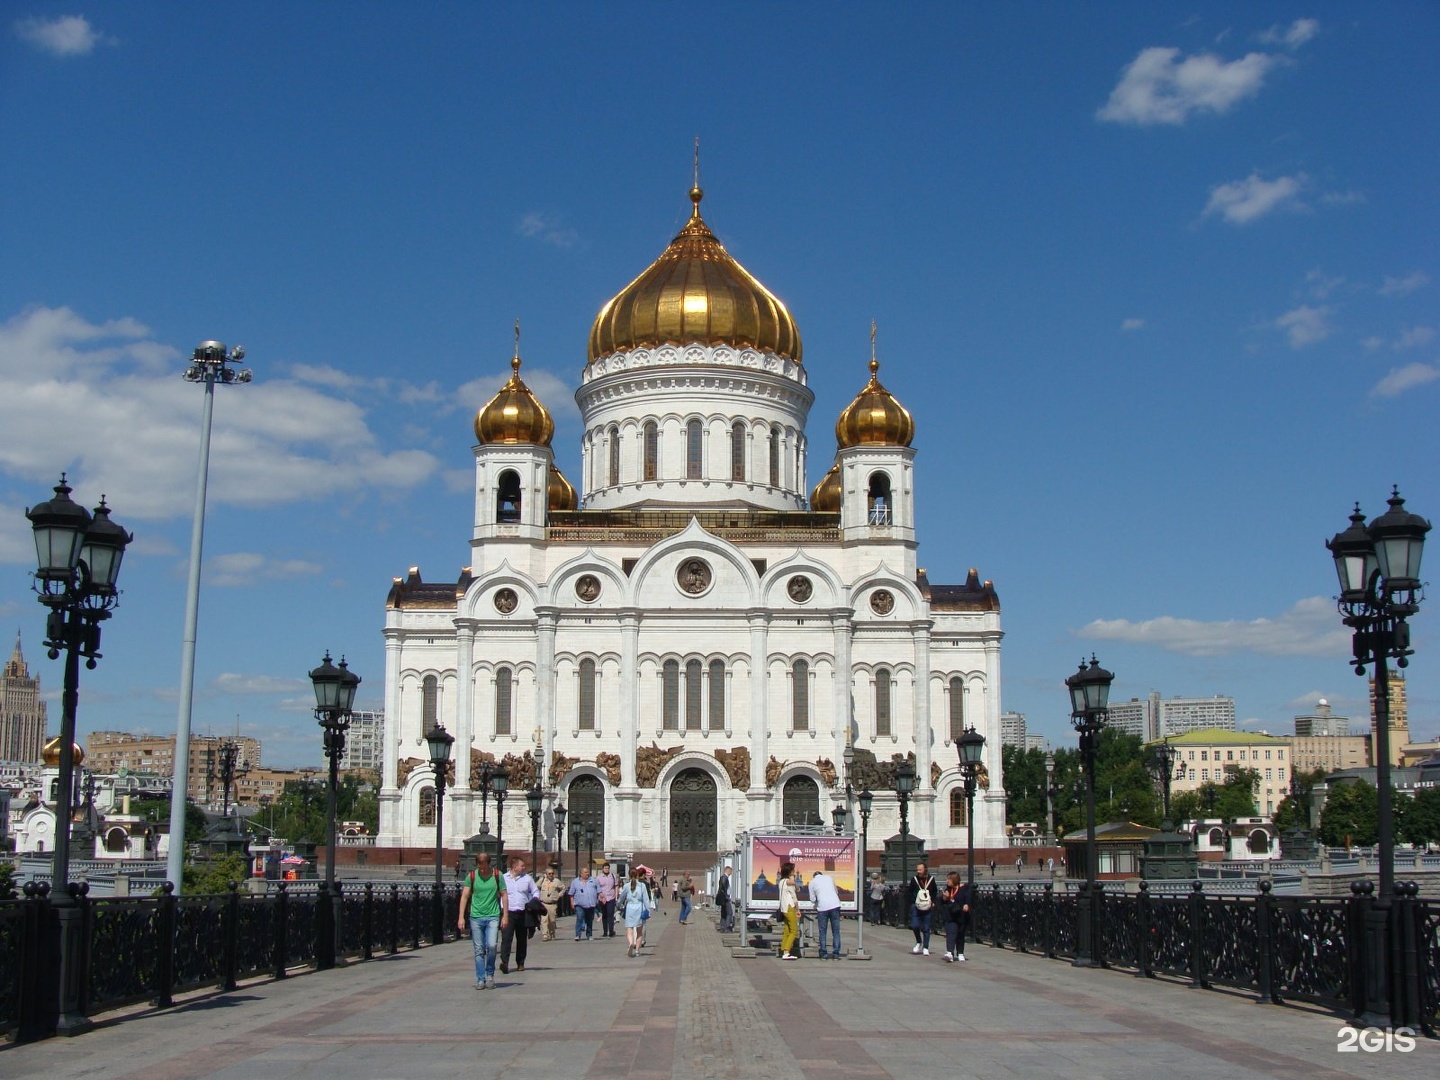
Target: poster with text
836,856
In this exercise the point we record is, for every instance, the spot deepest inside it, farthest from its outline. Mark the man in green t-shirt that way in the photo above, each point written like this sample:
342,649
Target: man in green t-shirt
483,901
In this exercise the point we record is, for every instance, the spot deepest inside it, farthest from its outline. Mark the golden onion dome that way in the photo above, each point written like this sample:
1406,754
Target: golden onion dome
50,753
560,493
825,498
695,292
874,418
514,415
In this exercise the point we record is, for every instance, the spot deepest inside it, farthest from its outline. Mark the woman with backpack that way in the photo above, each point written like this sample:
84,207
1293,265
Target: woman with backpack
634,901
955,903
483,900
922,893
789,913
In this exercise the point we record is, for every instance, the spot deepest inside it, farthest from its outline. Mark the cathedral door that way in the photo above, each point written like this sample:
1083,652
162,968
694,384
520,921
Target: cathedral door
693,812
800,802
587,811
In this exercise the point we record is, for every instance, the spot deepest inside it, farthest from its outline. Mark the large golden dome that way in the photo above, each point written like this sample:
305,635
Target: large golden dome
695,292
825,498
560,493
514,415
874,418
50,753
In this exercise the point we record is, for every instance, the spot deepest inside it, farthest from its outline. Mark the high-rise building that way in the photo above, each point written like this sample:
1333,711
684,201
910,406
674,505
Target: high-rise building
1138,716
22,713
1399,718
365,741
1178,715
1012,729
1322,722
111,751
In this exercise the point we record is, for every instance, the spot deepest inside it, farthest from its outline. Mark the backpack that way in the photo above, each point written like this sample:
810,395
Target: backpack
923,900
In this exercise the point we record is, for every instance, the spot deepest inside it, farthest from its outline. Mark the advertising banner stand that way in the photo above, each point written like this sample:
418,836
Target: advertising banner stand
810,848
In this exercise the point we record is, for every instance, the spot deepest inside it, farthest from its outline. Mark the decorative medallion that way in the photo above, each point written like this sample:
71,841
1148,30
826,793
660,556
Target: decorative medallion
799,588
693,576
882,602
587,588
506,601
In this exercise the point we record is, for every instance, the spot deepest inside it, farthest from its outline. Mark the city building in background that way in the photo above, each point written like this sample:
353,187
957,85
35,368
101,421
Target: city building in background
1012,729
116,751
22,713
1322,722
1154,717
1329,752
365,741
1399,718
1210,755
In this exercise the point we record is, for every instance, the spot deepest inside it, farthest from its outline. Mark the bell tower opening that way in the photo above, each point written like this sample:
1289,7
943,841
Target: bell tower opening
878,506
507,498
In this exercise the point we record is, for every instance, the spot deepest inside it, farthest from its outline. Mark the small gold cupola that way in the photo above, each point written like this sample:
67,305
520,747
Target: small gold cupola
825,497
874,418
514,415
560,493
50,752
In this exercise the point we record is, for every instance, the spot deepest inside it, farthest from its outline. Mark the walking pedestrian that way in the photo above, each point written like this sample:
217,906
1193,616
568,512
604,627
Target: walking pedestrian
686,892
551,890
657,892
1019,861
992,867
482,900
921,893
826,899
520,889
585,895
634,902
955,902
725,900
877,898
789,913
608,885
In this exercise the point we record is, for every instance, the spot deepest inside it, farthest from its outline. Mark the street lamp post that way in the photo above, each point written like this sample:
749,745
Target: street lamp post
971,748
535,799
1089,695
867,801
561,813
1161,762
590,847
904,788
1049,797
487,773
499,785
210,364
230,770
575,831
78,557
334,695
441,742
1379,570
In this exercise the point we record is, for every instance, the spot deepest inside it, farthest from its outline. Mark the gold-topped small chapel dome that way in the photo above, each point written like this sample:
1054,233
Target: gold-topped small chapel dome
695,292
825,497
874,418
50,752
514,415
560,493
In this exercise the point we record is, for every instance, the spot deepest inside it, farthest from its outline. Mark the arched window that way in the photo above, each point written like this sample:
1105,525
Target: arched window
587,695
1217,838
957,708
800,801
1259,842
507,497
879,499
957,808
613,451
693,451
717,695
504,697
800,696
670,696
115,841
429,702
882,703
774,457
427,806
652,450
737,451
694,694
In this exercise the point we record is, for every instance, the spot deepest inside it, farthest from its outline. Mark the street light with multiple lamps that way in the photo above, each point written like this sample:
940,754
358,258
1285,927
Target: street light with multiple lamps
487,773
334,696
904,788
971,748
867,802
561,813
441,742
499,787
1161,762
535,800
1089,696
1380,589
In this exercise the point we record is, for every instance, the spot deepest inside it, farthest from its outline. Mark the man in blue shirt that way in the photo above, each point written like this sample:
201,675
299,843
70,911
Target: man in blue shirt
827,912
520,889
585,895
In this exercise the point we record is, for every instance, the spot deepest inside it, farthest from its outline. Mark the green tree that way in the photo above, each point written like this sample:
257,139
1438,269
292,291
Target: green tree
157,811
1350,815
7,881
1420,821
212,876
1291,814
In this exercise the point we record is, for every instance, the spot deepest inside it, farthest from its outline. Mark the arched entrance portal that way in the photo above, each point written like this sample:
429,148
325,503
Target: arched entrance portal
800,802
693,812
587,811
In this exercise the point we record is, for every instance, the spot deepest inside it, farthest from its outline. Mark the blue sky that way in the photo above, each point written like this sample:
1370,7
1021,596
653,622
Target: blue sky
1158,282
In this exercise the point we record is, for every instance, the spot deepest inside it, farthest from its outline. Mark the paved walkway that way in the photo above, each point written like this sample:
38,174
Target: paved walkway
689,1010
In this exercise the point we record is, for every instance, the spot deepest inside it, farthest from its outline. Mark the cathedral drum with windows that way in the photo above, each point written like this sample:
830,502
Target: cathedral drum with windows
686,648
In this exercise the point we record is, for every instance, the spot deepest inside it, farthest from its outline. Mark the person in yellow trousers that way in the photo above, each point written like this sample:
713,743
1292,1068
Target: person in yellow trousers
789,913
551,890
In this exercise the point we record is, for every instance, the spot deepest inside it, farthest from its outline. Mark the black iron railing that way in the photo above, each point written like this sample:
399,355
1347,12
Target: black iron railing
1282,948
134,950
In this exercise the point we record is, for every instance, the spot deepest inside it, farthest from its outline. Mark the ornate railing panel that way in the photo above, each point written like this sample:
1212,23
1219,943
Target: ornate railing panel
1171,935
1032,906
254,936
1311,949
300,943
124,952
1427,947
12,943
1066,914
1120,931
1230,943
352,921
199,941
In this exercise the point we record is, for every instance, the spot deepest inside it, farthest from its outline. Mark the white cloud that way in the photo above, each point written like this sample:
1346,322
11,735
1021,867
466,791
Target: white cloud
68,35
1416,279
1132,324
548,229
1342,198
1414,337
248,568
132,427
1321,286
1310,628
231,683
1304,325
554,392
1161,88
1370,344
1243,201
1292,36
1405,378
